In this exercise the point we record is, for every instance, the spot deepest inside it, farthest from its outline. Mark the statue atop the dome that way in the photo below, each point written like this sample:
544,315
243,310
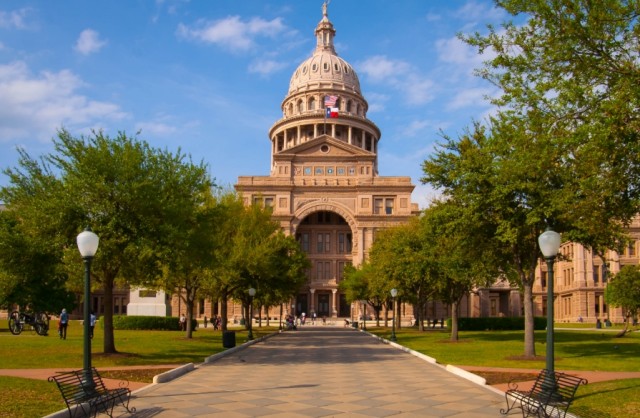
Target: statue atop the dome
324,8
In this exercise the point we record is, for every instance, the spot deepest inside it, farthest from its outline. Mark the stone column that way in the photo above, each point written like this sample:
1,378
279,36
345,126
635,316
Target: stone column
312,307
334,311
349,136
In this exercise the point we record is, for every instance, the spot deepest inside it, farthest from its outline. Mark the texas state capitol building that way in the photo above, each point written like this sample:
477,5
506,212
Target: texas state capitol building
324,186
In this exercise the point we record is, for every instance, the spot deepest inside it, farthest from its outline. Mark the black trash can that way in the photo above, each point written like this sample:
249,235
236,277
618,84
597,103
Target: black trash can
229,339
355,324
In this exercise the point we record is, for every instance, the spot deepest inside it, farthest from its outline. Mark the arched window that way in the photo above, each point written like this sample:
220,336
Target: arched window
348,109
290,109
312,103
300,106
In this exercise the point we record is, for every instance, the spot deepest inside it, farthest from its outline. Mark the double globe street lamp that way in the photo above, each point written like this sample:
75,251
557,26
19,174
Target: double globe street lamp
88,245
549,242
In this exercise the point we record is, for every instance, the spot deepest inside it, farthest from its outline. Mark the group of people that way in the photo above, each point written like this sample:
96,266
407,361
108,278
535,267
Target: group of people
216,322
63,324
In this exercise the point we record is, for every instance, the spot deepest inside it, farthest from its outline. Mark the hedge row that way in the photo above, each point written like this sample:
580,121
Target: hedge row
160,323
497,324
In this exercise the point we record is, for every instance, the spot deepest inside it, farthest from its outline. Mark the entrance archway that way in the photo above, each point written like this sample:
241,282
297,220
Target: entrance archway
328,240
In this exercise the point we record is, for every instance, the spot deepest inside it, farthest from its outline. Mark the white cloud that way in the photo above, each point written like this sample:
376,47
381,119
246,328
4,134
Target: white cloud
156,128
454,51
470,97
377,101
89,42
474,11
266,66
36,106
14,19
400,75
415,127
232,32
379,68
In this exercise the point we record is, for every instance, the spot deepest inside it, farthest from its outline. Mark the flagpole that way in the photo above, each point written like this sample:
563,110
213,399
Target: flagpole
325,120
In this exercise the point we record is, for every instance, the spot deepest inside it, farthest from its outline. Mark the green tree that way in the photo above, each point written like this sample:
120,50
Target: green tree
31,273
623,291
569,77
190,241
400,256
463,248
127,191
508,190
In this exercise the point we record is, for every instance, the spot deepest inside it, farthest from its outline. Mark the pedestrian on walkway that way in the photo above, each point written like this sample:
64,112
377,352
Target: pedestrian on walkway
92,323
183,322
64,322
205,321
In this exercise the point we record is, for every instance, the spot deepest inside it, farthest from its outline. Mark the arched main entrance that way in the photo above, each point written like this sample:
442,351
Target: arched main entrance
327,239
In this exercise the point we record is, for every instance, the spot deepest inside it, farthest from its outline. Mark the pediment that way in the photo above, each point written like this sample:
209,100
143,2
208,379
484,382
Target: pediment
326,146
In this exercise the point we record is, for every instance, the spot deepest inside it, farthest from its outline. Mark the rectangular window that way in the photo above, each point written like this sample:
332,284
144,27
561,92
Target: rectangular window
341,239
340,271
319,270
388,206
327,243
304,241
377,205
320,243
632,249
264,201
383,205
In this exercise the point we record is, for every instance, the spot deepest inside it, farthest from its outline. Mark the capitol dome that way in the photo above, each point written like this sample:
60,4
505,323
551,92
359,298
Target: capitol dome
324,69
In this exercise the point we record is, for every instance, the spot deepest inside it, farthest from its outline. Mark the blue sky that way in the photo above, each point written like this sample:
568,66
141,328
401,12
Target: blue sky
209,76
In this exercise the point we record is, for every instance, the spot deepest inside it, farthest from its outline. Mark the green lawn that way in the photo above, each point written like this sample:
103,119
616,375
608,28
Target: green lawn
574,350
29,350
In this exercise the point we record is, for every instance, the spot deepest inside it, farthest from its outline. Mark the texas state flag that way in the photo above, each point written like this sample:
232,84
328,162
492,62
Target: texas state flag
332,112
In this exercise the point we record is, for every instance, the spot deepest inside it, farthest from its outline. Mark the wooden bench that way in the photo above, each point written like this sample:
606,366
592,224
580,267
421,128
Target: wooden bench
551,395
93,398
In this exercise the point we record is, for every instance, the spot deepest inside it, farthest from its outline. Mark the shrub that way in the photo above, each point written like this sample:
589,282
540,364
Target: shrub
497,324
160,323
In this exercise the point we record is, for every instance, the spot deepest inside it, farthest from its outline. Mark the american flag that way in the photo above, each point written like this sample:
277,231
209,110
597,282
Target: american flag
330,101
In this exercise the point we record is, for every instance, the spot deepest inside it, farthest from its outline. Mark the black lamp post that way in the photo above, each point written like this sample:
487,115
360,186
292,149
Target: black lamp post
549,242
394,293
252,293
88,245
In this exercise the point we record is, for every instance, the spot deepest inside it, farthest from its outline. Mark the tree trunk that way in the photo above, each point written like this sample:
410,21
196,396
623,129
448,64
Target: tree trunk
529,334
454,321
109,344
223,311
190,302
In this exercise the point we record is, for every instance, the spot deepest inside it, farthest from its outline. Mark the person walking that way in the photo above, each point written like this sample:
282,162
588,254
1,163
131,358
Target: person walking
92,323
183,322
64,322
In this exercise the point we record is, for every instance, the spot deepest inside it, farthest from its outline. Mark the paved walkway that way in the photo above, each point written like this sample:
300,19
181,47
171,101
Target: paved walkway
318,372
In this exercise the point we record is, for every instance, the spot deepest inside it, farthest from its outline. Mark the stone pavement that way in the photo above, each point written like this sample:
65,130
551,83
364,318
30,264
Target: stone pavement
318,372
